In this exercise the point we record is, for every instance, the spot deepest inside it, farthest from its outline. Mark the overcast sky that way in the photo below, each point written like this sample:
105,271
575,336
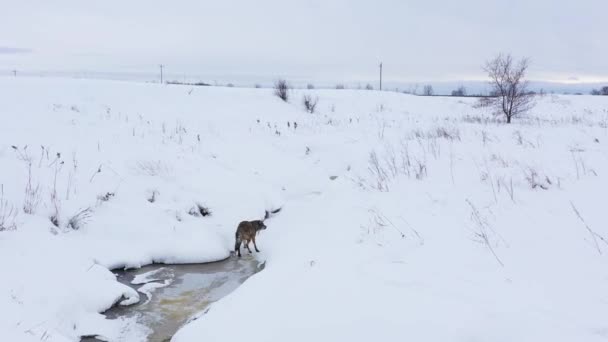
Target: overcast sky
418,40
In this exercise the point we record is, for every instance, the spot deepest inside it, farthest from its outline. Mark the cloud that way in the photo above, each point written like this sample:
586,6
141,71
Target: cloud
334,40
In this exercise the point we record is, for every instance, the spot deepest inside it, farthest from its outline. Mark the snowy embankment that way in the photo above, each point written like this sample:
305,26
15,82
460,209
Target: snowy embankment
441,224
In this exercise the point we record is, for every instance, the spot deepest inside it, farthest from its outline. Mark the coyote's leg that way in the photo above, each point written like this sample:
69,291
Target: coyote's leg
237,247
255,246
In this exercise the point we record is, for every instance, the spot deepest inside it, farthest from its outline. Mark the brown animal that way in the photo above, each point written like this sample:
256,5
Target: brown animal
246,232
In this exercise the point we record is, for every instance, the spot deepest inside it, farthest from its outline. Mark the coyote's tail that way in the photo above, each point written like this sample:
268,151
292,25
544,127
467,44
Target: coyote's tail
268,213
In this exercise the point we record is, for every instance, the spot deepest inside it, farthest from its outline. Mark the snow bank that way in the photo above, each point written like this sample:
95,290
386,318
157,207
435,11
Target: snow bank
404,216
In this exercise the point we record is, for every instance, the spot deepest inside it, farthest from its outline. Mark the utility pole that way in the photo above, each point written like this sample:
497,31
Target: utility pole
161,73
380,75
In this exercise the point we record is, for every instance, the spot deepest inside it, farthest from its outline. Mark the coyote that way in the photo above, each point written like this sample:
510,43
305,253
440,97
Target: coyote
246,233
247,230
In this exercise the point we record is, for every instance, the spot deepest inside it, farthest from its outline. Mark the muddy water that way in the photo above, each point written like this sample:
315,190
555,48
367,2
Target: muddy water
172,294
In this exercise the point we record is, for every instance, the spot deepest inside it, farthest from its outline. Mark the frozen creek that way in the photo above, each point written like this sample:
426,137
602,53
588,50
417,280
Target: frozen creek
171,295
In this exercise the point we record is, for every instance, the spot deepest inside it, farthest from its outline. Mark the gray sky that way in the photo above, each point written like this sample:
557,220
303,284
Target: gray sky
417,40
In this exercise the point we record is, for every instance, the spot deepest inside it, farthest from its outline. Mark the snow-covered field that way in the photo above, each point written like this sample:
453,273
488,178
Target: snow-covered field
403,217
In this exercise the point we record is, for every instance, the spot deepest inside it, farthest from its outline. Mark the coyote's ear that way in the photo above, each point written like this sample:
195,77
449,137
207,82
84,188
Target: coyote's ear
266,215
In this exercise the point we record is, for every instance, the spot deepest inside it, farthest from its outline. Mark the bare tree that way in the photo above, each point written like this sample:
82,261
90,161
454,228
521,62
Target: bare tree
369,87
509,89
460,91
604,91
428,90
281,89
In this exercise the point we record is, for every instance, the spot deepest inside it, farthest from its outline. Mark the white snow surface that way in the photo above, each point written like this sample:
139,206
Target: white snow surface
464,229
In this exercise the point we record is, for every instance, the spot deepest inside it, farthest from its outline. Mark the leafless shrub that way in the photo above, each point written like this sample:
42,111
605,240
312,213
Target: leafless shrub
32,193
281,89
310,86
381,221
58,165
484,137
594,235
477,119
55,219
509,188
154,168
80,219
369,87
98,171
484,233
340,86
105,197
519,137
580,165
420,169
498,159
310,104
390,165
199,210
509,95
378,172
381,124
390,161
448,133
152,197
535,181
8,213
22,154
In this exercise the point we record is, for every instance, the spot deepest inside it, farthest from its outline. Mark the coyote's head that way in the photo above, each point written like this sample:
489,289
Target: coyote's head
258,225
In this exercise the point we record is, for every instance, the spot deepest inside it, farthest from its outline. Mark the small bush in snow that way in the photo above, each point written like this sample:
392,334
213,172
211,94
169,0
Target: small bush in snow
369,87
32,194
79,219
447,133
54,219
535,180
154,168
340,86
309,103
310,86
484,233
281,89
199,210
152,197
106,197
8,213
